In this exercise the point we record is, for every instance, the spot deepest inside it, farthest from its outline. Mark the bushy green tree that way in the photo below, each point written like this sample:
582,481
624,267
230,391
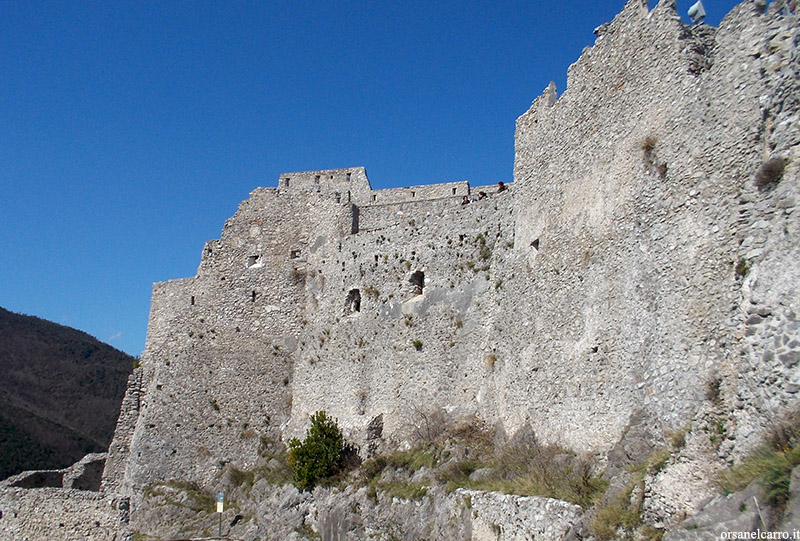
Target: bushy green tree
319,455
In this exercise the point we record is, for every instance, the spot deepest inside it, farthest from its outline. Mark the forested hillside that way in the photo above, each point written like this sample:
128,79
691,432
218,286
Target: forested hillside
60,392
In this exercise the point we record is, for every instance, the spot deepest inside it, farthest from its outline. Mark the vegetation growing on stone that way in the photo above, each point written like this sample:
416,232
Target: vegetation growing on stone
770,465
319,455
742,267
185,494
620,517
770,172
464,455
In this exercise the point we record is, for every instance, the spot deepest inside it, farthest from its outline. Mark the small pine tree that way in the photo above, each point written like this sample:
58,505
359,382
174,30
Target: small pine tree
319,455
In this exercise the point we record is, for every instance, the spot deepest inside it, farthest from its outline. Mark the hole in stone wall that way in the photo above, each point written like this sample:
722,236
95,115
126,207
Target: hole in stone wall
454,191
253,297
252,260
417,280
352,302
294,254
192,300
535,245
348,177
286,182
413,194
374,197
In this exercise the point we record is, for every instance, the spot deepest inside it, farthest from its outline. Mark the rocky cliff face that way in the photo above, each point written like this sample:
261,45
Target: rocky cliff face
637,281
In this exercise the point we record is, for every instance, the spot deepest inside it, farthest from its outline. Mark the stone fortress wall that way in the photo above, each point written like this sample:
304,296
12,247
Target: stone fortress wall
637,258
284,266
600,287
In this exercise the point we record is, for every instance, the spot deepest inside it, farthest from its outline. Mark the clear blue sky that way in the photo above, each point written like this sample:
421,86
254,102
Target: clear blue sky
130,131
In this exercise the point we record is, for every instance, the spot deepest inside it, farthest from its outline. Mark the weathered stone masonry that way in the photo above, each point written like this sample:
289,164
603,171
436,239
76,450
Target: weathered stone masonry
601,284
638,256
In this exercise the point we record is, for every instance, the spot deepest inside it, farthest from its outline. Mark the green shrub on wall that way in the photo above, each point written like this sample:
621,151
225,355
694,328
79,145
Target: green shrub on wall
318,456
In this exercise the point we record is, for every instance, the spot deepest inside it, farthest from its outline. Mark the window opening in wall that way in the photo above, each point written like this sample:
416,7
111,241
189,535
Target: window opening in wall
535,245
374,197
253,297
192,300
413,194
252,260
352,302
286,182
348,176
294,254
417,280
454,191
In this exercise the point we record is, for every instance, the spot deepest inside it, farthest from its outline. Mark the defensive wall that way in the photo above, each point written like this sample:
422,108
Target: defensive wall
58,513
643,255
601,287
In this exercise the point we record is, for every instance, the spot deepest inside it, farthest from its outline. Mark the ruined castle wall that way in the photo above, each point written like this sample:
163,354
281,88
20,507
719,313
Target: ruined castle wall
113,478
618,291
348,183
629,223
56,513
765,377
419,193
605,283
405,350
486,188
374,217
218,365
622,243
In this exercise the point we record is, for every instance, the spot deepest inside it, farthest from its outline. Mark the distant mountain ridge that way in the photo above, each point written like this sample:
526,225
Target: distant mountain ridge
60,393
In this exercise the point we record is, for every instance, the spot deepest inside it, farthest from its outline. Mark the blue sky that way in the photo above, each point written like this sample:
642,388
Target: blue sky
132,130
